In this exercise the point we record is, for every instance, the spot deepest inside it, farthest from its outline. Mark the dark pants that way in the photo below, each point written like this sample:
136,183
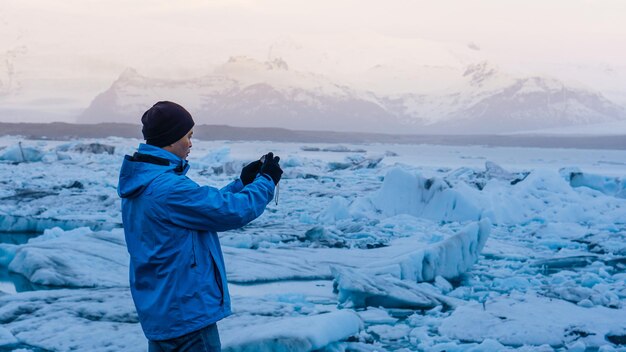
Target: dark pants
204,340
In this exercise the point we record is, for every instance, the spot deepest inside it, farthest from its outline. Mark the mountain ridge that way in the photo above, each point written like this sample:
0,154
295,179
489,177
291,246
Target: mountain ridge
246,92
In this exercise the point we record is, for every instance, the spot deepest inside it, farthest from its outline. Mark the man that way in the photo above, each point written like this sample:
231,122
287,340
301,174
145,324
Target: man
177,274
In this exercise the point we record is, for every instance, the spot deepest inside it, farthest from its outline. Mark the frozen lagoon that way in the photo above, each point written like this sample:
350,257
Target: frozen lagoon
378,214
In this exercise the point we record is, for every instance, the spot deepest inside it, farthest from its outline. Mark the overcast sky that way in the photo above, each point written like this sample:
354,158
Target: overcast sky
86,44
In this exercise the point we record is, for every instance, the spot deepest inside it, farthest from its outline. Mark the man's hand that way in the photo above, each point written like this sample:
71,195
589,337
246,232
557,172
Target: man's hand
271,168
249,172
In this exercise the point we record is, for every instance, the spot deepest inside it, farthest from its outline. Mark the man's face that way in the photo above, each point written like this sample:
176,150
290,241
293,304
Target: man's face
181,147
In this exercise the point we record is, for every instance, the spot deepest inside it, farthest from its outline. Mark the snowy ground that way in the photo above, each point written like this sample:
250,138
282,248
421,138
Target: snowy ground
369,247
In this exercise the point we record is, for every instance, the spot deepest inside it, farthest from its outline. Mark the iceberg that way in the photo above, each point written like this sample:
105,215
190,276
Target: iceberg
448,258
538,195
358,290
479,179
612,186
22,154
76,258
404,192
94,148
355,162
392,282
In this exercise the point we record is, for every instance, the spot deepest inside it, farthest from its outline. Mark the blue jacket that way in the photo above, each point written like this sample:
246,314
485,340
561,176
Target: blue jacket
177,274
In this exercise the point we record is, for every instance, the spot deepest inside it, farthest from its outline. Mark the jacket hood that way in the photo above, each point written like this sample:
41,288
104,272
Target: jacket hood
140,169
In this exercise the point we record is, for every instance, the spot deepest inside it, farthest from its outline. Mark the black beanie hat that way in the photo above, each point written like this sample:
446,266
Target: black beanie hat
165,123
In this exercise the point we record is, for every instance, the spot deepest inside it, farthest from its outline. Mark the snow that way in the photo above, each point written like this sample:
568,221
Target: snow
370,247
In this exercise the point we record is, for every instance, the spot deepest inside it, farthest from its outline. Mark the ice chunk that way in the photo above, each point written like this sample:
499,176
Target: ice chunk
545,196
13,223
354,162
77,258
390,333
448,258
19,153
219,161
584,296
561,263
268,264
528,319
341,237
337,210
293,334
359,290
479,179
403,192
508,284
291,161
342,149
376,316
612,186
361,208
217,156
93,148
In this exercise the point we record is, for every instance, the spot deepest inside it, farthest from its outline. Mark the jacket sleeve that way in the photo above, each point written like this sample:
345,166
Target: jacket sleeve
210,209
233,187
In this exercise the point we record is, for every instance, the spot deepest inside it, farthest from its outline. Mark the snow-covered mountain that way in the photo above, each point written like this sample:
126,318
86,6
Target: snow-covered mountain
245,92
476,98
487,100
